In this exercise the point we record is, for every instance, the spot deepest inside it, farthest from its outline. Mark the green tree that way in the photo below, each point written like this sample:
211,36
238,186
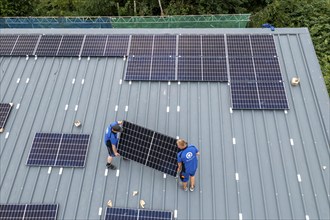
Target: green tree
313,14
16,8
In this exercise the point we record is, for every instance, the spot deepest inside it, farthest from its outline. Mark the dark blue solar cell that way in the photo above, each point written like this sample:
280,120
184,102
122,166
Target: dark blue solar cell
239,46
213,46
151,214
244,95
5,109
272,95
241,69
42,211
7,43
163,68
141,45
11,211
263,45
94,45
189,69
48,45
25,45
267,69
121,214
164,46
138,68
190,46
215,69
70,45
117,45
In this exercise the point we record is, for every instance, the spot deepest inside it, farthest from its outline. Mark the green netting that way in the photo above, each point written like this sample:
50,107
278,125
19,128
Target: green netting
184,21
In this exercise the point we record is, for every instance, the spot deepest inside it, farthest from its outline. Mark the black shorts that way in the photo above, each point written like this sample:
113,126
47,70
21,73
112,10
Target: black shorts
109,147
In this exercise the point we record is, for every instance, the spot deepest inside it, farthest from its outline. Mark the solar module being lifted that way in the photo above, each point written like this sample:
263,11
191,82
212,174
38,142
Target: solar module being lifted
56,149
148,147
28,211
136,214
5,109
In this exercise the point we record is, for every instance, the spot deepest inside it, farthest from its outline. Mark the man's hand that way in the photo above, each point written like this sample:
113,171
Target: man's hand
120,122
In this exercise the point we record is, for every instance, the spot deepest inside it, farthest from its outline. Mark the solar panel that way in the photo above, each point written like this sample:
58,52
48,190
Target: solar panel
215,69
94,45
239,46
163,68
48,45
241,69
263,45
25,45
136,214
190,45
164,46
141,45
213,46
70,45
148,147
272,95
28,211
267,69
5,109
56,149
117,45
244,95
7,43
189,69
138,68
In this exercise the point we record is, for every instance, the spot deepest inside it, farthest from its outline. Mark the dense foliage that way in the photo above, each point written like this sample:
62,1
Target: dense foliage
313,14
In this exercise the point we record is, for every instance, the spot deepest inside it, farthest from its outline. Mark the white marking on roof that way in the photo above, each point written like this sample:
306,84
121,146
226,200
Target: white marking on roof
168,109
240,216
117,173
291,142
116,108
82,81
130,82
126,108
19,79
169,83
236,176
179,83
73,80
49,170
76,108
79,58
27,57
17,106
27,80
106,172
61,171
307,217
88,58
178,108
100,211
231,110
120,81
177,137
285,112
35,57
164,92
66,107
7,135
175,213
299,177
164,176
234,140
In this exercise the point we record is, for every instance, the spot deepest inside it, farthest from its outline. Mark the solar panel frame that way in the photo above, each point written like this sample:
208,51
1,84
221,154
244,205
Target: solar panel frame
244,95
189,69
141,45
25,45
190,46
5,109
213,46
117,45
28,211
143,145
138,68
238,45
164,46
70,45
94,45
7,43
215,69
48,45
163,68
272,95
263,45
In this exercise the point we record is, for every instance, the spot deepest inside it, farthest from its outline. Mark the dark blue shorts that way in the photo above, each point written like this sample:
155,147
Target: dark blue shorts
184,176
109,147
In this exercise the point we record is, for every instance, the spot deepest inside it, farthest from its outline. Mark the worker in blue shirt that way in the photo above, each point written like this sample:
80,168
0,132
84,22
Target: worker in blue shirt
111,141
187,163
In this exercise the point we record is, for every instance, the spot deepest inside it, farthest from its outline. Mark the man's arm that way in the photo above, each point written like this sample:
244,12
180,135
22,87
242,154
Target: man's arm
179,167
115,150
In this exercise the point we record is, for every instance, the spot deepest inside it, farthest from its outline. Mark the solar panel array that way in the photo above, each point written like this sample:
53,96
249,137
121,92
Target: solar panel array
136,214
56,149
28,211
149,148
5,109
255,76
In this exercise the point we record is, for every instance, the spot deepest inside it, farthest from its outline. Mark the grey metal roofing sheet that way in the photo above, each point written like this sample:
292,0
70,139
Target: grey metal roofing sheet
253,164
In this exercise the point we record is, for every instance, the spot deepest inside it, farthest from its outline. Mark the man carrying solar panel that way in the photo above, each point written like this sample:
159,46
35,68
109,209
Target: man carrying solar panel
187,163
111,141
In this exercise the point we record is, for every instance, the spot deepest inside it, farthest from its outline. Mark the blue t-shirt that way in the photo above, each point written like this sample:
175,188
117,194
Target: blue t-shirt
110,136
188,158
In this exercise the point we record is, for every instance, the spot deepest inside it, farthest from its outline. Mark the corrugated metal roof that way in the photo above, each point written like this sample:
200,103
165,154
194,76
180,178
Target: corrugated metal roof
253,165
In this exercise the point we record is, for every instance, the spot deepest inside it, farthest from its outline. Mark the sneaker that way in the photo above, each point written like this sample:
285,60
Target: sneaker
111,166
124,158
192,188
185,189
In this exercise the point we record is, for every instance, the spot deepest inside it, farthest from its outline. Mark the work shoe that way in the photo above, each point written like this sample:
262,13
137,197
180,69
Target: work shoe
185,189
111,166
192,188
124,158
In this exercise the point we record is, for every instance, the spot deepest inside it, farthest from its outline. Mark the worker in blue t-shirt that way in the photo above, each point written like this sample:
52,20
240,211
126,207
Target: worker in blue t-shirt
111,141
187,163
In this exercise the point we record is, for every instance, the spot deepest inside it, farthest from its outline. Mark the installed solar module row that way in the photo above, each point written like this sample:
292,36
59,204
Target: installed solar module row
149,148
136,214
5,109
28,211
